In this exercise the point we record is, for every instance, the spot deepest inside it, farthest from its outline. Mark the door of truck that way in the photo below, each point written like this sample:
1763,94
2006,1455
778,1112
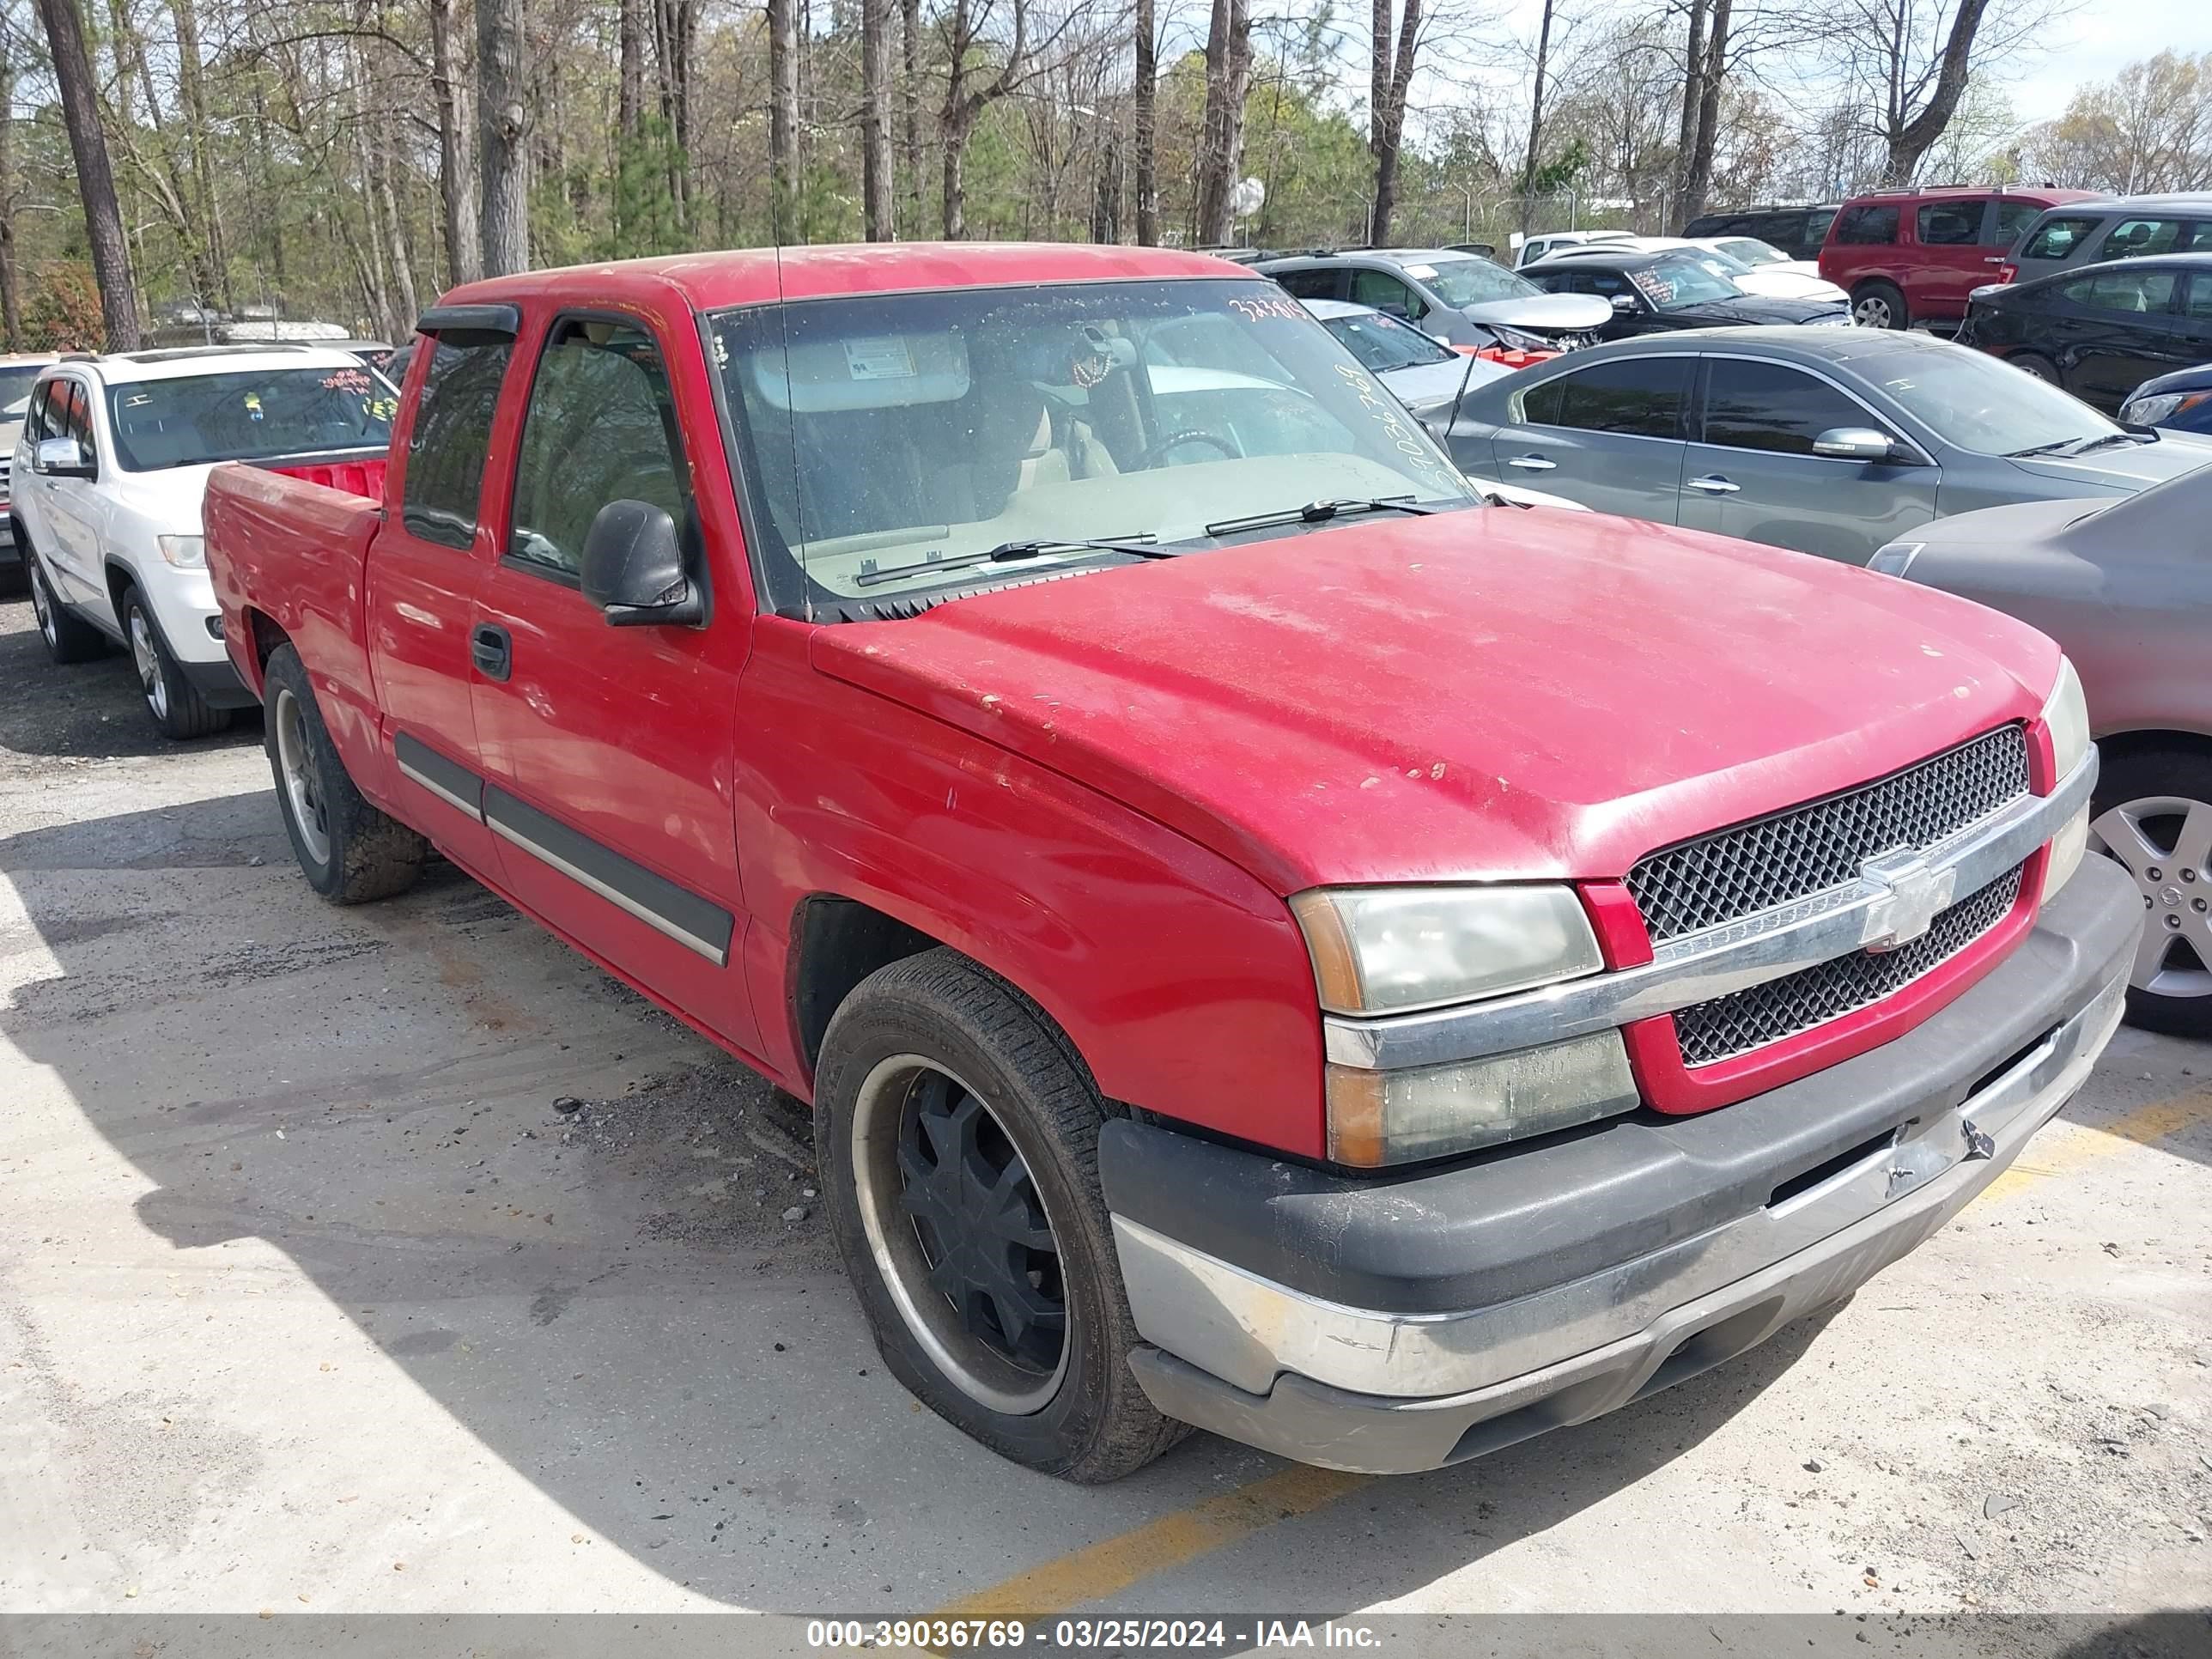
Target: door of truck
608,750
426,569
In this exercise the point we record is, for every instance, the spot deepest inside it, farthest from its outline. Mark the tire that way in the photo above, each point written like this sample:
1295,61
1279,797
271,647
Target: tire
2031,362
350,852
901,1055
2151,803
173,701
68,637
1880,304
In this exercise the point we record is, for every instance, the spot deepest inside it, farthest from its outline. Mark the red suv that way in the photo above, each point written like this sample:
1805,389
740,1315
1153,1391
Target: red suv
1912,256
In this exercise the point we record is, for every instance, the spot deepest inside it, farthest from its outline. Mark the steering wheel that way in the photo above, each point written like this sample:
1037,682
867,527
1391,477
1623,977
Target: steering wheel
1159,452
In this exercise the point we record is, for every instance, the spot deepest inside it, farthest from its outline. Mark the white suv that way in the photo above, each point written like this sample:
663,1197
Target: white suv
108,475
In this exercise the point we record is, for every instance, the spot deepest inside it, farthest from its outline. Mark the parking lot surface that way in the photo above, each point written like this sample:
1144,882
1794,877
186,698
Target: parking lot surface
395,1259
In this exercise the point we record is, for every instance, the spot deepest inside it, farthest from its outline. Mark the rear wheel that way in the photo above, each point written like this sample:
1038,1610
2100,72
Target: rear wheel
173,700
1880,304
350,852
2153,815
2029,362
68,637
957,1138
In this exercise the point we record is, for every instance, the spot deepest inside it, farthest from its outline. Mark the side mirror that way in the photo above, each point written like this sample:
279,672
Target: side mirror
62,457
1623,304
1852,443
633,568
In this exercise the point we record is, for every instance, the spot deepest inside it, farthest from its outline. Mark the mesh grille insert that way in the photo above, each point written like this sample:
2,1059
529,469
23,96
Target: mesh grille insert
1773,861
1747,1019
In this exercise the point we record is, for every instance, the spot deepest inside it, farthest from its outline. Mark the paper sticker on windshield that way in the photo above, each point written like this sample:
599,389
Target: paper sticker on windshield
1420,273
878,357
1656,288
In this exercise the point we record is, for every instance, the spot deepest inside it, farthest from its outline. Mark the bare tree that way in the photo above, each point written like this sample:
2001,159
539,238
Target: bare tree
1144,116
1907,63
11,304
1534,152
502,131
1706,65
1389,78
456,166
973,37
1221,141
876,183
629,94
103,219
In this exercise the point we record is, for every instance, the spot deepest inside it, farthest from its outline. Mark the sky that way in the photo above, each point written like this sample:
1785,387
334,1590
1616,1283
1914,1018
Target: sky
2099,38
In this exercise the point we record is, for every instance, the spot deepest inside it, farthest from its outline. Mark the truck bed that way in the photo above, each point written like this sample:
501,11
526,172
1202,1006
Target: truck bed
288,541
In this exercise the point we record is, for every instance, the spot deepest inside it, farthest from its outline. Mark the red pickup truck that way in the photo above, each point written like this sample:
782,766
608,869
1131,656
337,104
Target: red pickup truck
1271,940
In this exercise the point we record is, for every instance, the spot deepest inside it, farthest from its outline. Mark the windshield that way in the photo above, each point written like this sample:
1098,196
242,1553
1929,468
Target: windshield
1383,342
884,431
1675,280
1472,282
1752,250
249,415
1982,404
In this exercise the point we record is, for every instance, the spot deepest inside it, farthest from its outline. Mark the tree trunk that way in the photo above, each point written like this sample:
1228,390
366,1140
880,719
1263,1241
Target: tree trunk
1910,140
1535,118
1698,175
910,100
1147,124
782,116
1221,149
103,219
503,130
191,89
876,181
953,195
629,117
457,182
11,304
1390,129
1685,144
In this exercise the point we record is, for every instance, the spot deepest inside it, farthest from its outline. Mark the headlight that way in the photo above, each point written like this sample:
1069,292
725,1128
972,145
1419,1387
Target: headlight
1897,558
185,552
1377,1118
2067,715
2149,411
1387,949
1519,338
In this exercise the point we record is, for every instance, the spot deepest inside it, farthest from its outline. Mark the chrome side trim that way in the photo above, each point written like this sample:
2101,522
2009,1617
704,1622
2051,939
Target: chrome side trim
652,919
472,808
1248,1330
1748,951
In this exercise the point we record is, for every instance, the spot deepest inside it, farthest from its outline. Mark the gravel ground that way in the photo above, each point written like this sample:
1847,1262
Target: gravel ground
397,1260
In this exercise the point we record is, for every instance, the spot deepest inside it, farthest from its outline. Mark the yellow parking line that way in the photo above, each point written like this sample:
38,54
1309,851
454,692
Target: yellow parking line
1114,1564
2086,1145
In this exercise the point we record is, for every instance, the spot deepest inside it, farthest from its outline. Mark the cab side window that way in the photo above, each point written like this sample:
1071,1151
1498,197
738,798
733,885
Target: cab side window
1869,225
1767,406
451,436
2013,218
1640,396
1309,284
1950,224
75,413
601,427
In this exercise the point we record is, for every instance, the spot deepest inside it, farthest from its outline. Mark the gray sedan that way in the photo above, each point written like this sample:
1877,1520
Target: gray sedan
1829,440
2125,588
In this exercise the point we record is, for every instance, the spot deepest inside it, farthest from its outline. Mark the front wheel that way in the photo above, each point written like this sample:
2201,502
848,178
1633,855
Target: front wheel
2153,815
178,709
958,1142
350,852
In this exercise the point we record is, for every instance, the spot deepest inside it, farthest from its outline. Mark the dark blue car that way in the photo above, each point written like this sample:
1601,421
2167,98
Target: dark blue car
2180,402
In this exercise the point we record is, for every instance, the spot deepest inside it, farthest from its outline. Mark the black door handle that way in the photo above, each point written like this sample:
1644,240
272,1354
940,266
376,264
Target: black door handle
493,650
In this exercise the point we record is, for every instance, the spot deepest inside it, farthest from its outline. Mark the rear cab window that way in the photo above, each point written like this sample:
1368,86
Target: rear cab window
452,435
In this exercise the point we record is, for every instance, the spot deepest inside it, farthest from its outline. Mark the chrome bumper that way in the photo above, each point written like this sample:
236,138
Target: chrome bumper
1384,1391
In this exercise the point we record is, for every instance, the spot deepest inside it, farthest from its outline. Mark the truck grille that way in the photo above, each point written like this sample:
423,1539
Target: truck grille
1790,856
1745,1020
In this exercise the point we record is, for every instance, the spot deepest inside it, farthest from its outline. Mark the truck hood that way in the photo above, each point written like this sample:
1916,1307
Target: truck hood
2136,467
1482,694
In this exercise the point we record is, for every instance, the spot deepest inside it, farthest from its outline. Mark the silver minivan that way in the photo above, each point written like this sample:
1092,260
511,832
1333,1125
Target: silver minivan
2084,233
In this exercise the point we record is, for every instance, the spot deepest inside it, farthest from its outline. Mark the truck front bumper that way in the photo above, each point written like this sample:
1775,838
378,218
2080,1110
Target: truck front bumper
1394,1325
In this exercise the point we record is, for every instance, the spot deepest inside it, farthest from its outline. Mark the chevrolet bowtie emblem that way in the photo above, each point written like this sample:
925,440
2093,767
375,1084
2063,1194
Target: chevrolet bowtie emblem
1910,896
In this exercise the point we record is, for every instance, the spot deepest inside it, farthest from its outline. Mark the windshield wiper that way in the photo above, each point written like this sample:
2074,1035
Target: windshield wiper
2072,446
1318,513
1138,546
